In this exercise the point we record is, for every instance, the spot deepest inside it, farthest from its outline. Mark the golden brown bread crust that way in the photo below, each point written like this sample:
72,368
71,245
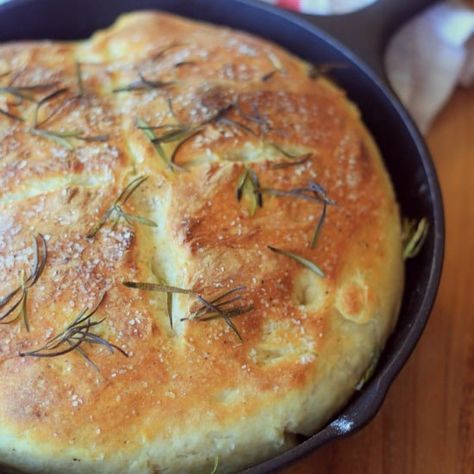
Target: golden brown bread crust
187,395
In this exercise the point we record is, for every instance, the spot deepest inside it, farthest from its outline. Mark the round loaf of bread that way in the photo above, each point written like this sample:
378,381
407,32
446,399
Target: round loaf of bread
200,250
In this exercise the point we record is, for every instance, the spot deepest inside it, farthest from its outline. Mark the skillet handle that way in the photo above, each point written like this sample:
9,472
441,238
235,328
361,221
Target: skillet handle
367,31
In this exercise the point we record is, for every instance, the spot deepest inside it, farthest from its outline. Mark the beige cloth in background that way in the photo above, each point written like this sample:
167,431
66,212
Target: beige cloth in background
426,58
429,56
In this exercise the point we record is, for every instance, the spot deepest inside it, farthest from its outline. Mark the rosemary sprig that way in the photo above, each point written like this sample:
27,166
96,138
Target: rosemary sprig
150,134
315,193
74,335
39,262
215,308
62,138
414,236
116,211
301,260
174,133
249,185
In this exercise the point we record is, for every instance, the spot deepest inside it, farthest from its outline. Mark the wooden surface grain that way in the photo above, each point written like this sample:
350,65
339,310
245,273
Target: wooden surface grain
426,425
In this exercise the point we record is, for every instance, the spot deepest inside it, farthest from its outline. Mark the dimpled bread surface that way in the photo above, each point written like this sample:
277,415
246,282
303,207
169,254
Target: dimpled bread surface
235,389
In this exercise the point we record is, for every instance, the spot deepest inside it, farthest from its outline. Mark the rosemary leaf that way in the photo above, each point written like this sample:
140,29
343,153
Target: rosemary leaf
233,123
184,139
301,260
316,71
45,100
53,136
148,131
93,138
8,114
240,184
276,64
39,262
369,372
248,185
232,313
286,153
414,236
130,189
256,186
184,63
143,84
216,464
287,164
23,310
6,299
319,226
176,134
93,232
165,50
169,307
11,310
154,84
141,220
157,287
24,92
225,316
80,82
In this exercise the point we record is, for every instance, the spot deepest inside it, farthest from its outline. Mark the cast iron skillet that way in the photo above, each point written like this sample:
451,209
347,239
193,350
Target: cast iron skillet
403,150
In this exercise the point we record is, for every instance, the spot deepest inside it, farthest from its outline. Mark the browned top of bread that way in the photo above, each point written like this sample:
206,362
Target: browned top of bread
183,396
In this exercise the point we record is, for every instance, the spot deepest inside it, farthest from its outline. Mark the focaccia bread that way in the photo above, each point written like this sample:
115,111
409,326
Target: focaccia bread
200,250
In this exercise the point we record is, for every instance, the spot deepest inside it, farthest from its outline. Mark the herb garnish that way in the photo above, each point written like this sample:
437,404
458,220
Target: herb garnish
116,211
62,138
143,84
215,308
80,82
302,260
315,71
248,185
39,262
287,164
276,64
23,92
8,114
73,336
216,465
414,236
314,192
178,132
156,141
163,51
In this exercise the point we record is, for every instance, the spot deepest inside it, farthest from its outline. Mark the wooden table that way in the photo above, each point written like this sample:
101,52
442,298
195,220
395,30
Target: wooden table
426,425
